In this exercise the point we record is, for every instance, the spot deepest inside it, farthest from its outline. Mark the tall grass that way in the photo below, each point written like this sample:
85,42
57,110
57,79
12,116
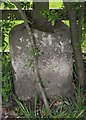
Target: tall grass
63,108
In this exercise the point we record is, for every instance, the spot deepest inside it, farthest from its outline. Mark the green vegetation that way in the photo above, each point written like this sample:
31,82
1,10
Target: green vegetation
6,77
62,108
9,5
7,25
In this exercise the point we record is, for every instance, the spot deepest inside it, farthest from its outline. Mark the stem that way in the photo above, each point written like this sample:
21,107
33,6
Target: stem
33,44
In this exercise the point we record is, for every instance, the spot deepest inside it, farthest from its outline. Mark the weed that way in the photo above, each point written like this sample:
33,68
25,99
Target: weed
64,108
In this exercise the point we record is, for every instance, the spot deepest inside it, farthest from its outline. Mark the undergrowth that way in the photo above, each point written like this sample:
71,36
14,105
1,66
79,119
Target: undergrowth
62,108
6,77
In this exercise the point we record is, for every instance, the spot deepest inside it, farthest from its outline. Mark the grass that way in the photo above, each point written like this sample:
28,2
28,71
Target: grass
67,108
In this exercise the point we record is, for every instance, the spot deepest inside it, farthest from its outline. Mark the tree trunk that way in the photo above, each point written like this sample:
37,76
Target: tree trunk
75,43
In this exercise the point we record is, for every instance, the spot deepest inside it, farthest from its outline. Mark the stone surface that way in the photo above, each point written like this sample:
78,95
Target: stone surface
55,63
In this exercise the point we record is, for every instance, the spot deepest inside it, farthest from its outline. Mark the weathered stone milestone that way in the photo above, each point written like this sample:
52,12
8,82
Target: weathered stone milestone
55,62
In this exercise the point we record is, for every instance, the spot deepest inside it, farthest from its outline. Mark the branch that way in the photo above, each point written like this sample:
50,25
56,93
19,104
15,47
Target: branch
33,43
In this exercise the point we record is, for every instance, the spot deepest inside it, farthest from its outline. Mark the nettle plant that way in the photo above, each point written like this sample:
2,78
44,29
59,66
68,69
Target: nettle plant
26,5
11,5
7,5
52,16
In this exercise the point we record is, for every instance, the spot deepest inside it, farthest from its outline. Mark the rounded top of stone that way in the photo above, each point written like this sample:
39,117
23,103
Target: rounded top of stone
43,25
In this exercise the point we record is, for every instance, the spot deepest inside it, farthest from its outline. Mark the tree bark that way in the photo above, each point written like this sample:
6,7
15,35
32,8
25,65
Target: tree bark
80,19
75,37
